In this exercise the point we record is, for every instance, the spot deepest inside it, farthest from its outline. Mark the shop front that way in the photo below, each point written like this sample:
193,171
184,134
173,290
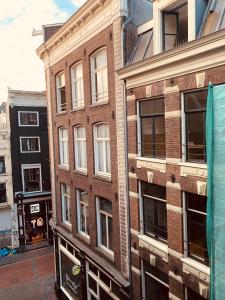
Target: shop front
33,220
80,278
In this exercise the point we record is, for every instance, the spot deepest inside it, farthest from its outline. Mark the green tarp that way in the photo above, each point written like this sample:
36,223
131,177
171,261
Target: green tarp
215,140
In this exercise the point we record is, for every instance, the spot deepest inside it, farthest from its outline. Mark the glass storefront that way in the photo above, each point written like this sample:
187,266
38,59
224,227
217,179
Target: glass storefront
70,274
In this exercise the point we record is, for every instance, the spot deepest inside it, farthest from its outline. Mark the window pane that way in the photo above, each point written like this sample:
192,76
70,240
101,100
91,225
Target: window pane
195,101
170,22
103,230
105,205
197,235
2,192
70,282
104,295
152,107
161,219
110,229
154,190
155,290
147,137
195,135
160,137
28,118
196,202
2,165
149,216
92,284
32,180
193,295
102,131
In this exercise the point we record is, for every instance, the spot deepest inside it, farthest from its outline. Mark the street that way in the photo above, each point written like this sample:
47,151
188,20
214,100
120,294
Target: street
28,279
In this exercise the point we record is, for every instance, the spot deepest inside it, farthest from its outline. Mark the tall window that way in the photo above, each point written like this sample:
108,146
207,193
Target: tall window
65,198
152,121
99,72
102,149
77,86
31,178
2,164
196,227
156,283
80,148
63,147
82,212
195,115
104,222
61,92
29,144
28,118
2,193
154,210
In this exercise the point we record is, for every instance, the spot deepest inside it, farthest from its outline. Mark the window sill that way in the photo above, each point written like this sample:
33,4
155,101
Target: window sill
158,248
106,253
80,172
4,206
193,165
151,159
61,113
63,168
103,177
85,238
78,109
99,103
196,268
66,226
3,174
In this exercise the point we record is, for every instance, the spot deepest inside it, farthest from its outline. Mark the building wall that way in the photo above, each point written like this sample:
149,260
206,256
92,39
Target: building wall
94,185
19,158
8,222
169,259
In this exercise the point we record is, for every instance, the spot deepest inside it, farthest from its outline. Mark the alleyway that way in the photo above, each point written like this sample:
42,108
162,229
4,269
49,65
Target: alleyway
29,279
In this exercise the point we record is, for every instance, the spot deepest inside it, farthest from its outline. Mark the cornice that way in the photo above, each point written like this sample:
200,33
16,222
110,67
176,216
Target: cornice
198,47
75,22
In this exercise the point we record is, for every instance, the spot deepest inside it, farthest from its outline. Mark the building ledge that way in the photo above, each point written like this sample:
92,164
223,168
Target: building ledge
154,246
191,266
151,163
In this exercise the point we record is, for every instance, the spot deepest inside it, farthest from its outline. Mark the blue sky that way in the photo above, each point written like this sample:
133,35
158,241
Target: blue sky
21,68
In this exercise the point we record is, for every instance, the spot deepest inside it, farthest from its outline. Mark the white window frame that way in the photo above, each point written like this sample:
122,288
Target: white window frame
83,157
65,196
86,206
94,71
99,284
31,166
63,148
99,235
30,137
72,258
79,83
29,112
60,106
103,173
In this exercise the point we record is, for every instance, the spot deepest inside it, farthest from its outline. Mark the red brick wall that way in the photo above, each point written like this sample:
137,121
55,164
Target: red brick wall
87,117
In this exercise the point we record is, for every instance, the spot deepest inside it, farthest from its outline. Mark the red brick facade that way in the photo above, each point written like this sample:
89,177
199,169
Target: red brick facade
172,178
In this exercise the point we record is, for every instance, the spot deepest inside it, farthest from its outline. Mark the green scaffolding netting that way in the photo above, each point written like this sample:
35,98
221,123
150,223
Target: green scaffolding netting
215,140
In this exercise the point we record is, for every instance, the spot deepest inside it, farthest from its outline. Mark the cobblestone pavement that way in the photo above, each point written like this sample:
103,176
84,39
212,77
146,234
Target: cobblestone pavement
29,279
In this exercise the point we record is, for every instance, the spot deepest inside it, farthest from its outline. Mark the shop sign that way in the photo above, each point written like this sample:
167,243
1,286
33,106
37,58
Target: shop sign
76,270
35,208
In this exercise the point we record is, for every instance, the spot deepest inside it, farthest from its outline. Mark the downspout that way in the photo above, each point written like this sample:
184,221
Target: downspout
123,43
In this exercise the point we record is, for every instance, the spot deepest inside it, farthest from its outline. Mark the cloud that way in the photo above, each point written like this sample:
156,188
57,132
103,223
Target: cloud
78,3
21,68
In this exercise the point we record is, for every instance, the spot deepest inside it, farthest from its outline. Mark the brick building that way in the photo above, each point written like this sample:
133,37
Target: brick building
87,149
177,53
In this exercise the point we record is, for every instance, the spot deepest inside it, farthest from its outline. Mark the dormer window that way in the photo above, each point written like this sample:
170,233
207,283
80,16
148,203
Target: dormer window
175,25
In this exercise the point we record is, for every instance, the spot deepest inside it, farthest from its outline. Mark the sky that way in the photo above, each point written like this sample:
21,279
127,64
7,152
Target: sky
20,67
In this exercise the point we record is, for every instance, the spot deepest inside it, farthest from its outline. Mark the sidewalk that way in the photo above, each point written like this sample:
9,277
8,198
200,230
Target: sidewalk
26,255
29,276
